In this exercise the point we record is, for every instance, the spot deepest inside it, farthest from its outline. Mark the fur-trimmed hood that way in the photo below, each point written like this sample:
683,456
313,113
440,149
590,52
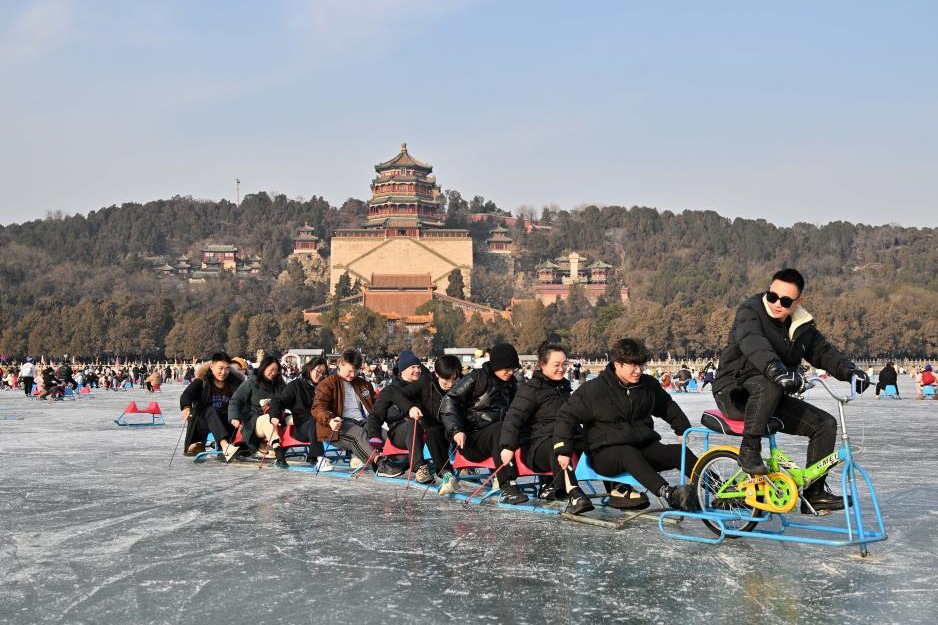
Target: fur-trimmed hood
202,370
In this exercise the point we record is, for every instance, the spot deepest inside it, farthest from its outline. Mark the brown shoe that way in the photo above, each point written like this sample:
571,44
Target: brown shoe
194,449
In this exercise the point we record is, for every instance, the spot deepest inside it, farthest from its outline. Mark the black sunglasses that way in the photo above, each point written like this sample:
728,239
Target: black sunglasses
772,297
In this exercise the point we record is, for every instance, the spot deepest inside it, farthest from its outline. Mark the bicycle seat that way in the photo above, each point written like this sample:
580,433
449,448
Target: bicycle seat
719,422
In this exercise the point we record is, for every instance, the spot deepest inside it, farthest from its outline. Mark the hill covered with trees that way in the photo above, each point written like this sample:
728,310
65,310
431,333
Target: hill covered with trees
87,285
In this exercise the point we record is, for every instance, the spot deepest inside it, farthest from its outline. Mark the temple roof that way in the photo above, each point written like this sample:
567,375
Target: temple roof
400,281
403,159
599,265
499,238
220,248
546,265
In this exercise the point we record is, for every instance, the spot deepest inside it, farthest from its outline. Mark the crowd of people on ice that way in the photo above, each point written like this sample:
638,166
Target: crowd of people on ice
542,416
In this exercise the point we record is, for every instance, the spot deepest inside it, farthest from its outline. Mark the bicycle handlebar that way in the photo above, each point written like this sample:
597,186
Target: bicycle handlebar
815,380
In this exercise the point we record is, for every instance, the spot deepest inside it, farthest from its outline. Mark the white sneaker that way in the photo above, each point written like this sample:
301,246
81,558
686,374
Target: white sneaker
230,452
324,465
355,464
448,487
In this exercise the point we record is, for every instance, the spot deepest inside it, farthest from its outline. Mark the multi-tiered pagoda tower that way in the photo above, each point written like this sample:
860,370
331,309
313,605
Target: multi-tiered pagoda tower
404,231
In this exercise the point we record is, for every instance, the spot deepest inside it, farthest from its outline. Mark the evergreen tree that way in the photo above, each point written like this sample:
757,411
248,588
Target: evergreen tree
456,287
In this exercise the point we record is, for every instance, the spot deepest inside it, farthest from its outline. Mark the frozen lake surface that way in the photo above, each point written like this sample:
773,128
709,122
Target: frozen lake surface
97,528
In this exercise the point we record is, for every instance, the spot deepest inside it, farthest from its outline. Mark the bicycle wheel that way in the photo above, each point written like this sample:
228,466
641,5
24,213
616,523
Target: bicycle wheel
710,473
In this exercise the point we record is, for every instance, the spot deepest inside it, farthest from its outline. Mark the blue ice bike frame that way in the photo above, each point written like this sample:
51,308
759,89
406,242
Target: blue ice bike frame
769,495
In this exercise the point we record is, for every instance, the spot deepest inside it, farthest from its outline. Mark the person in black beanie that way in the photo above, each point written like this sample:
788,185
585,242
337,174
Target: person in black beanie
405,430
472,413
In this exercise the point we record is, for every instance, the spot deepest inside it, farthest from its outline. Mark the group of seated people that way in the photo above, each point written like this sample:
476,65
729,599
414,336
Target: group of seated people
483,415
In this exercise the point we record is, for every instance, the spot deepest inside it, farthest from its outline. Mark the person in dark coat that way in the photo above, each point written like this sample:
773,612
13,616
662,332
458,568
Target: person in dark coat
616,410
531,419
426,397
405,428
472,413
760,371
204,406
297,397
249,408
887,375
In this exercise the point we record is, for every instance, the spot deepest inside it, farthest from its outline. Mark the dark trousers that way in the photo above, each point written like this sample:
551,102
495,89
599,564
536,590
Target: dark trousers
643,463
437,443
484,444
759,399
401,435
198,427
28,385
306,432
539,457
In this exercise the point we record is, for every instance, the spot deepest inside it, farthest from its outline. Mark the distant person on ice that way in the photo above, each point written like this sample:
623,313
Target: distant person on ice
887,375
926,378
760,370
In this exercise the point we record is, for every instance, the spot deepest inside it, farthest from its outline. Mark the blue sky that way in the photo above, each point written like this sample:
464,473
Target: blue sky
799,111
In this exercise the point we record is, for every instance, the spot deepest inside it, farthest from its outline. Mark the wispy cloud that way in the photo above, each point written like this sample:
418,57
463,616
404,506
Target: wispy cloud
42,26
336,24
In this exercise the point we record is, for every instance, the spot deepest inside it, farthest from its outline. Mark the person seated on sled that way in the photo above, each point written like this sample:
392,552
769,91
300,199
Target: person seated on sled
249,406
530,422
405,429
425,396
50,384
297,397
204,406
682,379
760,370
341,406
616,410
926,378
472,413
887,375
154,381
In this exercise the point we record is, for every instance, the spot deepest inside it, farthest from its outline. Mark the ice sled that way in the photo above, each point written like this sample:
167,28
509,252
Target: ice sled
132,412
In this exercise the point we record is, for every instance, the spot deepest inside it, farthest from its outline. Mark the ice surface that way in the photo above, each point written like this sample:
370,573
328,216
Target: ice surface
96,527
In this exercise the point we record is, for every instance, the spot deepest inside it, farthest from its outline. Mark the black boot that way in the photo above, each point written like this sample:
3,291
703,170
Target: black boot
683,497
750,456
820,497
579,502
511,494
281,462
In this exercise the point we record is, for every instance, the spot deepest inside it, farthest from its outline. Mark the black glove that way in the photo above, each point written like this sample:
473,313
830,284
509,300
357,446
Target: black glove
790,381
862,380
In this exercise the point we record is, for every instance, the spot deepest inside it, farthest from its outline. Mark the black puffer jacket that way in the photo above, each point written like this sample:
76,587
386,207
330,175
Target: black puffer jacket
424,393
197,396
613,413
757,340
475,401
533,415
386,409
297,397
